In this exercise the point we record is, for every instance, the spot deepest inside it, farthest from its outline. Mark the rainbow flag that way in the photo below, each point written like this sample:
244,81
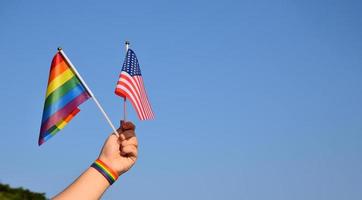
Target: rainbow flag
64,94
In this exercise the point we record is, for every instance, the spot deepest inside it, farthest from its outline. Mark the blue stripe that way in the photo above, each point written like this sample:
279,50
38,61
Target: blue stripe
48,135
68,97
100,170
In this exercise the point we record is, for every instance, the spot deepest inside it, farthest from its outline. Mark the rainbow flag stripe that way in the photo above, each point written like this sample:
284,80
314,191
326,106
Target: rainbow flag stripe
107,172
63,96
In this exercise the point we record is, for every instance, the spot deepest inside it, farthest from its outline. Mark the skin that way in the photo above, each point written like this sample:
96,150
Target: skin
119,153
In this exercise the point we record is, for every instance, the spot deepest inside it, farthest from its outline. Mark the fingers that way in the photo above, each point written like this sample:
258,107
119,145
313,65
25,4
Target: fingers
127,139
129,146
126,135
129,150
131,141
127,125
126,130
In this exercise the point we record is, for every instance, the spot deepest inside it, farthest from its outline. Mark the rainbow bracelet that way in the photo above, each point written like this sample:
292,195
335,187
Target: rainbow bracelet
106,171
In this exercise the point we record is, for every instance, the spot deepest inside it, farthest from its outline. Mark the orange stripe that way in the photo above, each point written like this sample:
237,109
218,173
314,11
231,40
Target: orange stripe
108,168
59,80
71,115
57,70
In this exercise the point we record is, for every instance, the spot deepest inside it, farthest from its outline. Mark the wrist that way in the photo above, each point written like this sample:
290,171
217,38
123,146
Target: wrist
113,164
104,169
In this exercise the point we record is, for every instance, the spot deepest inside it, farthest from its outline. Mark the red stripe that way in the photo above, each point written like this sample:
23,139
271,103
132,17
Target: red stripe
137,100
64,112
71,115
149,105
129,96
136,89
131,81
145,98
131,93
119,90
144,106
108,168
135,78
58,66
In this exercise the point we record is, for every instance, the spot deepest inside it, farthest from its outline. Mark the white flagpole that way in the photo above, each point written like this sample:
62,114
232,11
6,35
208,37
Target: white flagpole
89,91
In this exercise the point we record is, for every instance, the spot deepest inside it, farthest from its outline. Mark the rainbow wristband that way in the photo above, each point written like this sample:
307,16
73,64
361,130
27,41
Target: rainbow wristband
106,171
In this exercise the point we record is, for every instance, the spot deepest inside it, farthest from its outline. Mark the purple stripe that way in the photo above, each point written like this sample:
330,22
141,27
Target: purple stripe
64,112
100,170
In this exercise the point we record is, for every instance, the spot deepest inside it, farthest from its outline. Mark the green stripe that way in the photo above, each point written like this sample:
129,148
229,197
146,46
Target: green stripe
60,91
53,130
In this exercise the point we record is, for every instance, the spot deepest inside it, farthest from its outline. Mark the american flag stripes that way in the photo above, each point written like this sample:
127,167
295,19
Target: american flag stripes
130,85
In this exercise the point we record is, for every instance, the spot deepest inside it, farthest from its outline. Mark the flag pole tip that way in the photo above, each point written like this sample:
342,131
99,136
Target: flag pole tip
127,42
59,48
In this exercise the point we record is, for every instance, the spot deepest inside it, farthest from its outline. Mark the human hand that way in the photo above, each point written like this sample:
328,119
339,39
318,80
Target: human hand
120,153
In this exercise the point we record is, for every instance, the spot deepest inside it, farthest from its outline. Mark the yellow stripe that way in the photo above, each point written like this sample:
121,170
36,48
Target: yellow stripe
105,169
59,80
61,124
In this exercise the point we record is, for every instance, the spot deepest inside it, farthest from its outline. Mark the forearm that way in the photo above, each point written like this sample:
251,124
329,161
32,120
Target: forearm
90,185
118,155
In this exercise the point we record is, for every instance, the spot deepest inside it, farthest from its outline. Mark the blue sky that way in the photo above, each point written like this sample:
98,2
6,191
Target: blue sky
253,99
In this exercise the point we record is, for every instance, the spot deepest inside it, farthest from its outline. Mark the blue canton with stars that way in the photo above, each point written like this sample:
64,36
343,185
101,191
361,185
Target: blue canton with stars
131,65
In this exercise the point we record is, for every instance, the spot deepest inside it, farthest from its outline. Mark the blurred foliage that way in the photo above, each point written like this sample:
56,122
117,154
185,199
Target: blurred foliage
8,193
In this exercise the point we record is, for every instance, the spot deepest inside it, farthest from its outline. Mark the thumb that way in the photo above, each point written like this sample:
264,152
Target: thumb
127,125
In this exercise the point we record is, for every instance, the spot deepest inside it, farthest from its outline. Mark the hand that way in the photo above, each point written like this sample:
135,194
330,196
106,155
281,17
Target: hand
120,153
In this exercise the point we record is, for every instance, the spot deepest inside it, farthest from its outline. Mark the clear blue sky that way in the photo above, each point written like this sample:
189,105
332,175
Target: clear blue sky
254,99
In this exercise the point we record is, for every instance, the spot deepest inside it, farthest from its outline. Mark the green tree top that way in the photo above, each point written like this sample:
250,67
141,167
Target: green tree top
8,193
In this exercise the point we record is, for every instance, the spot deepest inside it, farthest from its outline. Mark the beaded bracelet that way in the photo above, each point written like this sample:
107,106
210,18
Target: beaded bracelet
106,171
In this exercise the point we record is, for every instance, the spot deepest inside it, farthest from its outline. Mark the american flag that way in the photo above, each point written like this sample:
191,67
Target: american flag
130,85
